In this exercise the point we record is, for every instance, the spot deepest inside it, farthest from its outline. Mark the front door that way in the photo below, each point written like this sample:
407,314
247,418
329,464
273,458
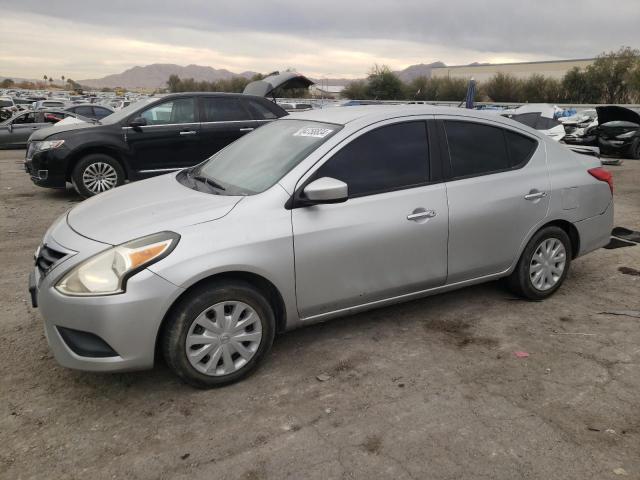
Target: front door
388,239
169,141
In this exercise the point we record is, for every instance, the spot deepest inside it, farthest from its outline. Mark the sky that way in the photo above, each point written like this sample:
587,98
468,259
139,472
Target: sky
323,39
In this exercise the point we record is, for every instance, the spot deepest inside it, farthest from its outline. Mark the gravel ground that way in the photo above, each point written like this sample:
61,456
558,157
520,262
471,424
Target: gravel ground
428,389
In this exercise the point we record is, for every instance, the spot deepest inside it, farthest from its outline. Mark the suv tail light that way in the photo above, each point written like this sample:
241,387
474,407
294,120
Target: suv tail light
602,175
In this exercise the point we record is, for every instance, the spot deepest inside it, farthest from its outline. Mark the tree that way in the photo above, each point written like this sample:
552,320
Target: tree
356,89
534,89
383,84
45,78
503,87
173,83
611,71
7,83
74,85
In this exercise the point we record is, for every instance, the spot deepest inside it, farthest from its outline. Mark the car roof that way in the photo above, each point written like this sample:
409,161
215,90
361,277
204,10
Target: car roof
374,113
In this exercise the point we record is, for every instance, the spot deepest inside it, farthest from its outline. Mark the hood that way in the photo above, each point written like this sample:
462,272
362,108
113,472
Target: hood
43,133
146,207
287,80
612,113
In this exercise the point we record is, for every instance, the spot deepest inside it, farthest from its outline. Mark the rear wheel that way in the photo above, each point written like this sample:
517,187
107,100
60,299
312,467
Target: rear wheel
218,334
96,173
543,265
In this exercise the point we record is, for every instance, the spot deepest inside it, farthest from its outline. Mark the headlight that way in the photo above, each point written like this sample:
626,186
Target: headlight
107,272
48,145
626,134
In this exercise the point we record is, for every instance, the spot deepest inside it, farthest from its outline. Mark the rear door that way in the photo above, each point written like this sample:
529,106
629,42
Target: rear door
388,239
498,191
224,120
170,140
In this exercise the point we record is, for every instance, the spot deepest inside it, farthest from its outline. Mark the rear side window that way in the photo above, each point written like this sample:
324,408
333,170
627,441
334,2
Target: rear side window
217,109
476,149
520,148
84,111
101,112
388,158
259,111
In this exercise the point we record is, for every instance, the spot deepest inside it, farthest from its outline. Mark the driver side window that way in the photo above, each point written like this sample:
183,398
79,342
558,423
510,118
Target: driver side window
388,158
26,118
181,110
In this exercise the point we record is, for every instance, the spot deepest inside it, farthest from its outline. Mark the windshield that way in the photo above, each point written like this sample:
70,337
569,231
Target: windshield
257,161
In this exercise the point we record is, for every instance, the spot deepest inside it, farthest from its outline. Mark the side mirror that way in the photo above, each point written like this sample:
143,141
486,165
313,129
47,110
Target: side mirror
138,122
326,190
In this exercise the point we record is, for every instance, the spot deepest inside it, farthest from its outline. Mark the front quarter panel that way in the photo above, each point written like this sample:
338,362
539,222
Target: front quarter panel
255,237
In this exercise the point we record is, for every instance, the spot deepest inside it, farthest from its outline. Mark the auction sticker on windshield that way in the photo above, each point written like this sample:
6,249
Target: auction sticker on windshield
313,132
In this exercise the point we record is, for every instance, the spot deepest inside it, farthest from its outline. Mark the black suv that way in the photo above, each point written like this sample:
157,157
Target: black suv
148,138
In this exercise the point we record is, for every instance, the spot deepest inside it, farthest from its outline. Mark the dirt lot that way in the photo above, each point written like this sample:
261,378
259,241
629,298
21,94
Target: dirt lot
426,390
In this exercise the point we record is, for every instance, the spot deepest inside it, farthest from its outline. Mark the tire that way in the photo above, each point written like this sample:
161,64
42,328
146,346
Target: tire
525,280
228,359
96,173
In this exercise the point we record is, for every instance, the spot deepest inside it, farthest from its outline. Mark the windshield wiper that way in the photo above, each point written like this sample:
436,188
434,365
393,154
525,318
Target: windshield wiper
206,180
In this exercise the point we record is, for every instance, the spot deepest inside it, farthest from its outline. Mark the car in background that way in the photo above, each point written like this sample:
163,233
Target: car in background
615,130
383,204
145,139
15,132
43,104
90,110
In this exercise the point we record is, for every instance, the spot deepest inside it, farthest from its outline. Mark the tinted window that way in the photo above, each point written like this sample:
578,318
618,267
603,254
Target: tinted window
101,112
180,110
223,110
259,111
520,148
26,118
388,158
475,148
84,111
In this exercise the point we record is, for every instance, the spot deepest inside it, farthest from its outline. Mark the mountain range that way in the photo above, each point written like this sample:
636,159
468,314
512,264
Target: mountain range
157,74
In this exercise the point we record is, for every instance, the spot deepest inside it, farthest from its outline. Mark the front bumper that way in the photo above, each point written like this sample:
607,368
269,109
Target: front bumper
126,323
48,168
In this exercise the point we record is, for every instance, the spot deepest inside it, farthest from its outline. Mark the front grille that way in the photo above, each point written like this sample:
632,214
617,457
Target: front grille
47,257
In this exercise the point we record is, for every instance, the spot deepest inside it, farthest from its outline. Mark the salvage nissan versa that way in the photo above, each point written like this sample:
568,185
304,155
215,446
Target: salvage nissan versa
317,215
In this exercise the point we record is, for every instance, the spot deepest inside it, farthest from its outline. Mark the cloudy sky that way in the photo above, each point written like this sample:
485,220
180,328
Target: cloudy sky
327,38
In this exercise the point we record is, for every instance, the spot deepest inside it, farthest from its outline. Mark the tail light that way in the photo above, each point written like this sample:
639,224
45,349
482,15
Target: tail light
602,175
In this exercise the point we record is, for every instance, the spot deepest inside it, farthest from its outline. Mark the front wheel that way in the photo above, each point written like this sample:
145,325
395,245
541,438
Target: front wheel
96,173
543,265
218,334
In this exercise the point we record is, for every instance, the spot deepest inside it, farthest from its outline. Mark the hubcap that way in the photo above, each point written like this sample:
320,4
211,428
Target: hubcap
547,264
99,177
223,338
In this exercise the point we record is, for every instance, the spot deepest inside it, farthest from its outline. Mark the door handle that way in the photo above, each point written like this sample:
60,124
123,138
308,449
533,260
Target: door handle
535,195
188,132
247,129
419,215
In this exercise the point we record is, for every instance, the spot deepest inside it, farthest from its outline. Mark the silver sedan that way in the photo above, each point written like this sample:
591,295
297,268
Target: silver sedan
318,215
